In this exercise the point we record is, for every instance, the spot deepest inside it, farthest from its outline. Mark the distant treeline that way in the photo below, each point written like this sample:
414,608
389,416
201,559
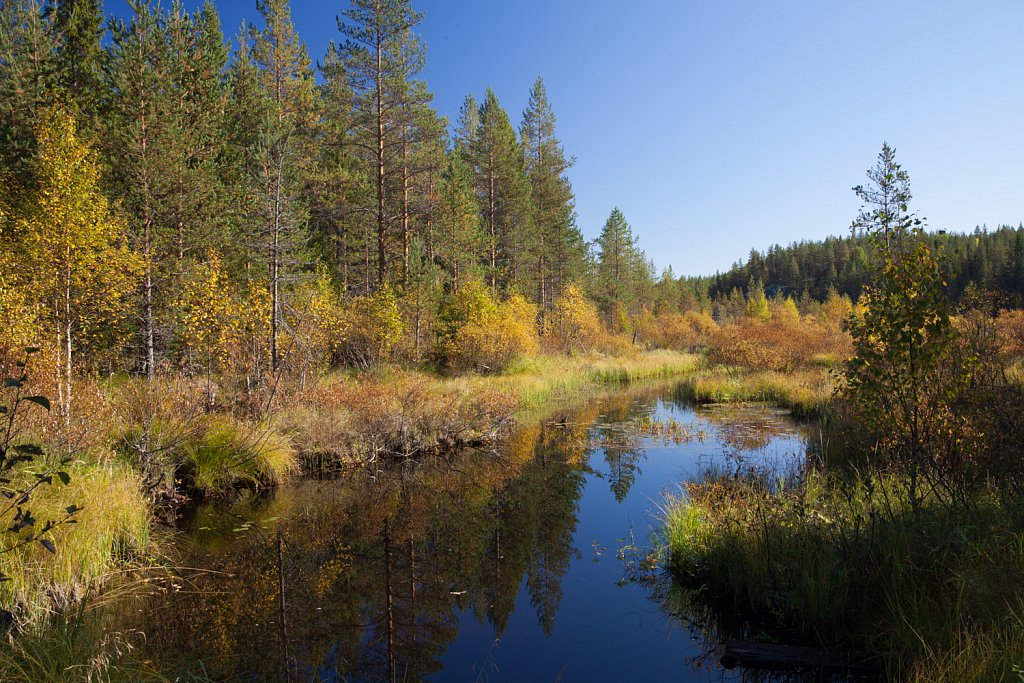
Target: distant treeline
991,260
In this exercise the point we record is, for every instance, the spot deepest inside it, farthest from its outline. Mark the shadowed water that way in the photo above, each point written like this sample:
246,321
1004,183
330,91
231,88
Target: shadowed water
507,566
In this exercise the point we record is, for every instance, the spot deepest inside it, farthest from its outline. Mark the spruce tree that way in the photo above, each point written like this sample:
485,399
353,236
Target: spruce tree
79,60
616,265
134,142
557,246
458,221
27,56
286,81
502,191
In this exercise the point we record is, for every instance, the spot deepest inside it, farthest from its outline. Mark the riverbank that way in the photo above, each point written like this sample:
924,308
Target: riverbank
933,593
144,445
519,543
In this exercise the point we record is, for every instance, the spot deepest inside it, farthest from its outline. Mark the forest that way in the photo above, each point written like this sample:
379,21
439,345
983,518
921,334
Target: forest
235,276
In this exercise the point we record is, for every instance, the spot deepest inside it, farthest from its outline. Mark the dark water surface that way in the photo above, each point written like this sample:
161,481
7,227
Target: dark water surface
516,566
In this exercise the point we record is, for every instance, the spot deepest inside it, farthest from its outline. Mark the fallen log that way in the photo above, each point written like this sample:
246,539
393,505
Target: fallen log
777,657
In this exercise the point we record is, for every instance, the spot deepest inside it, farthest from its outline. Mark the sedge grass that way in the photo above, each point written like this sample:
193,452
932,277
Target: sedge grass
933,592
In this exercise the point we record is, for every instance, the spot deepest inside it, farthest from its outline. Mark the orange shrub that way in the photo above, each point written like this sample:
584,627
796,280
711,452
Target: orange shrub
490,343
776,345
680,331
1010,328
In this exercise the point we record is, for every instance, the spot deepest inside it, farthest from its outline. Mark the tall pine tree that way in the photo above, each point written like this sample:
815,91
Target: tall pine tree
557,246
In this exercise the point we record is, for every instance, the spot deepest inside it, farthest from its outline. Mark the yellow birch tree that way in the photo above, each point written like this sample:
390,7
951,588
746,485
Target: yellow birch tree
73,248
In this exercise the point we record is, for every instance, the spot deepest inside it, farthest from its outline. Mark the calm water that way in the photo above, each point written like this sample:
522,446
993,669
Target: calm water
507,567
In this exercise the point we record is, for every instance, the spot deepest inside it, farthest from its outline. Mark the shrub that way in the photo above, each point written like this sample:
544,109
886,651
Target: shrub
492,343
1010,327
472,302
373,326
320,327
688,331
835,310
775,345
573,323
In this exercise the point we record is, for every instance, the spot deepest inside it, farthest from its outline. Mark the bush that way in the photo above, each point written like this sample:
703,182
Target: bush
373,326
477,333
493,343
573,323
1010,327
688,331
776,345
472,302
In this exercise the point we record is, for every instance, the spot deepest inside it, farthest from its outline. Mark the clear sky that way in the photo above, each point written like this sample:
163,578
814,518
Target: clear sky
721,125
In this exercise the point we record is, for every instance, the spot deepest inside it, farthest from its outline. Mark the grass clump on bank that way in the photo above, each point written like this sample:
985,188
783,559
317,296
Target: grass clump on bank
226,453
806,391
853,566
112,527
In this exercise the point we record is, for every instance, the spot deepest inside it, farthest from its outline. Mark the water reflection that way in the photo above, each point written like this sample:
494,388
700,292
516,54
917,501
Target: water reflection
381,570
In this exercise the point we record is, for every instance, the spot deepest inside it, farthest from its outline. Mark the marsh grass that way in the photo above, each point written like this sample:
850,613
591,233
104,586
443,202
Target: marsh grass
112,528
79,648
805,392
538,380
399,412
228,453
932,593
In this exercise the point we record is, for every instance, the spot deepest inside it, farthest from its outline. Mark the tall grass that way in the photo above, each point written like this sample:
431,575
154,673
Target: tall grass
538,380
228,453
806,391
80,649
851,565
112,528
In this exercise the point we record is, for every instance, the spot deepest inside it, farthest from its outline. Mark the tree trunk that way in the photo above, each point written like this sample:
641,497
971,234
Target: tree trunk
381,217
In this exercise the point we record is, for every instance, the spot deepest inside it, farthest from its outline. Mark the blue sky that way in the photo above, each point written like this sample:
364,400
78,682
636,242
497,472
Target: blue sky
721,125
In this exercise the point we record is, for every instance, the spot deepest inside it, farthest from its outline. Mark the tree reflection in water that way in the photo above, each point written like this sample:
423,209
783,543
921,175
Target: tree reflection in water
380,566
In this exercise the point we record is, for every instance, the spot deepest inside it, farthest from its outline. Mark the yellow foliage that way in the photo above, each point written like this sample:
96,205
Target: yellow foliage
71,249
206,312
774,345
784,310
573,323
18,327
680,331
373,325
490,343
835,310
321,325
757,307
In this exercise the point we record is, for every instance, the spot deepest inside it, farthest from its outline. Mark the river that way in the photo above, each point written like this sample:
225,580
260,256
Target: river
526,564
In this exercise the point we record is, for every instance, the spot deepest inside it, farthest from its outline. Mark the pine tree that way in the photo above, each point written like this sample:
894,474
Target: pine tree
502,191
164,137
382,56
137,74
557,246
